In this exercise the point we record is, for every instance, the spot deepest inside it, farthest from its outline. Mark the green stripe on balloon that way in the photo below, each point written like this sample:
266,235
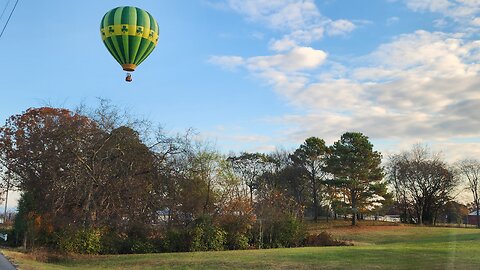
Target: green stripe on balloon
118,45
142,49
102,22
145,21
134,45
117,18
122,42
147,53
153,23
131,19
122,50
116,49
109,44
126,48
142,18
111,18
125,17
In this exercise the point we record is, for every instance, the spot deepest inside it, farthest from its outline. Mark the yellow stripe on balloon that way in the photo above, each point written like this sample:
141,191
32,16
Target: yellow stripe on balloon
130,30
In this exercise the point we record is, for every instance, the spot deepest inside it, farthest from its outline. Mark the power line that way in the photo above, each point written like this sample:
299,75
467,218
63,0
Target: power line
4,9
9,17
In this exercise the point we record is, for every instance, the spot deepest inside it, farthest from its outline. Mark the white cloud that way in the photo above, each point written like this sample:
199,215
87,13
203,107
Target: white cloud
300,21
422,85
392,20
283,44
283,71
226,62
299,58
429,5
340,27
419,87
301,36
279,14
462,11
476,21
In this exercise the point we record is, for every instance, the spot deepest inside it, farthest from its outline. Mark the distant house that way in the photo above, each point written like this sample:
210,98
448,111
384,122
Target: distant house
472,217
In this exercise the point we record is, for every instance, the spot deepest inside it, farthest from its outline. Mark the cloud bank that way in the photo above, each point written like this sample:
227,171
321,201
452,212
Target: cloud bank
419,86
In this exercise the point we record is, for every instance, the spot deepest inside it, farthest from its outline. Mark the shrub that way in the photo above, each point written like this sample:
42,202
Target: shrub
175,240
84,241
237,218
284,231
114,243
206,236
237,241
290,232
142,246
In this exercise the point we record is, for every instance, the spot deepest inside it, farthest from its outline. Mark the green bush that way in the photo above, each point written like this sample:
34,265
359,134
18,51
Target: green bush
142,246
281,232
237,241
84,241
206,236
114,243
290,232
175,240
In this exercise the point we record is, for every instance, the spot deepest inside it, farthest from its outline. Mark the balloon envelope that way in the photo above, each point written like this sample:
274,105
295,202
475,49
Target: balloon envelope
130,35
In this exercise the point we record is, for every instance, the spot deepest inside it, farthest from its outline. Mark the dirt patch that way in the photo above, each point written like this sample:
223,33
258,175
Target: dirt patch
45,255
324,239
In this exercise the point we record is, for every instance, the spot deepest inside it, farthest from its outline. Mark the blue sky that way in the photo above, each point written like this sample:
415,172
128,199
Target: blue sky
255,75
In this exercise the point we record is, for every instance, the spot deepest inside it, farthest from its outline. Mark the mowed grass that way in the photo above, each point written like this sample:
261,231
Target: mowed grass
376,247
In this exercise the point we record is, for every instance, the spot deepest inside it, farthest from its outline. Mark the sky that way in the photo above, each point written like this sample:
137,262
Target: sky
258,75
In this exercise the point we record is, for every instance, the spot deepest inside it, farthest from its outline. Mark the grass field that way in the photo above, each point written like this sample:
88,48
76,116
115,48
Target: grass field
376,247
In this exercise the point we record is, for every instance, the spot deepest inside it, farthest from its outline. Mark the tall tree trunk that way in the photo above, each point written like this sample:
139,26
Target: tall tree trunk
251,193
6,200
420,216
88,202
315,204
314,195
354,208
478,214
25,241
207,201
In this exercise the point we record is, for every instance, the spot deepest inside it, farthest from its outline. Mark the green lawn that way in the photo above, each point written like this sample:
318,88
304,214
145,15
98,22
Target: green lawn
376,247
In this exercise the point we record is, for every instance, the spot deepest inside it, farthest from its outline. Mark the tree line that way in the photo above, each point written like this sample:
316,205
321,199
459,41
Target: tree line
99,181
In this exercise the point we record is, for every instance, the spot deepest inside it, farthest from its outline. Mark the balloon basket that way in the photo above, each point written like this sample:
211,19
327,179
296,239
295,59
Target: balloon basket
128,78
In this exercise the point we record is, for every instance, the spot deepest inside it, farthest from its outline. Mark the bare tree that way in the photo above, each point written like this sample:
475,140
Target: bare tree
399,186
423,180
469,169
249,167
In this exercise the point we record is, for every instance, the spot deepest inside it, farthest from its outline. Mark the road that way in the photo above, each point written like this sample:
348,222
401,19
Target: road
5,264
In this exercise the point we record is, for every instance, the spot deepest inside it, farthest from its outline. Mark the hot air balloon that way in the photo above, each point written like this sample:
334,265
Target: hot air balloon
130,35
